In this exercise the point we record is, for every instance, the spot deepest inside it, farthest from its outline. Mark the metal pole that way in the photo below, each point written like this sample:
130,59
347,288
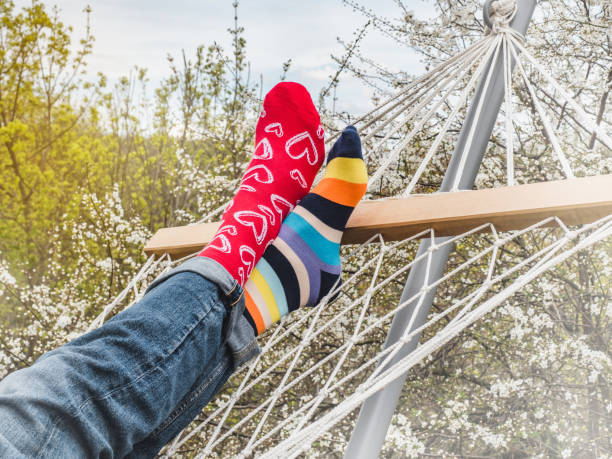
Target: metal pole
377,411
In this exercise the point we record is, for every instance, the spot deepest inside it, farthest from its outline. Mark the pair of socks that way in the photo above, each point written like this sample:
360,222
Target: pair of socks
285,256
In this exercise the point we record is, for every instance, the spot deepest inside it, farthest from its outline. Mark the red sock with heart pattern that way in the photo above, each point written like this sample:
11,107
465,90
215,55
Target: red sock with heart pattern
289,150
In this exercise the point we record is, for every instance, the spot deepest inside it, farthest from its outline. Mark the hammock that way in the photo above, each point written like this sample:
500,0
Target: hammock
258,412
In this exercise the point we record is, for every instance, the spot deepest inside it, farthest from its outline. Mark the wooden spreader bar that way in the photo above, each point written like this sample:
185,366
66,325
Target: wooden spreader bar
575,201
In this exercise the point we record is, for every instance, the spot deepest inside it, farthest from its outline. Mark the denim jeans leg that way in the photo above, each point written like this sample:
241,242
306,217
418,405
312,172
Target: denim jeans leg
105,392
210,382
239,346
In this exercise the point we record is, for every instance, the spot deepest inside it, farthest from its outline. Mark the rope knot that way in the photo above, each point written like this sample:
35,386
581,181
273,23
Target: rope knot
501,13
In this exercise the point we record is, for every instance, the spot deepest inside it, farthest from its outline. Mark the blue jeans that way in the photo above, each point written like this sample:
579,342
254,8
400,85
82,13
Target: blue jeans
130,386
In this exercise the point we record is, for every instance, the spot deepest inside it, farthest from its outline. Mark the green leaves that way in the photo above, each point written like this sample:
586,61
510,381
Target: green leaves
88,171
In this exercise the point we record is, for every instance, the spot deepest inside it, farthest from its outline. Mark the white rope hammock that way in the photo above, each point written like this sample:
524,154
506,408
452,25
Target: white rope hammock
281,425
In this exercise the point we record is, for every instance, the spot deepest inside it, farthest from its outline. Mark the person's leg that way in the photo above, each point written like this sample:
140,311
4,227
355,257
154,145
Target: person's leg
324,214
239,347
142,376
211,381
105,392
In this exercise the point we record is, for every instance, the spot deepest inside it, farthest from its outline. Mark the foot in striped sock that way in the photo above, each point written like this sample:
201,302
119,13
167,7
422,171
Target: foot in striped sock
303,262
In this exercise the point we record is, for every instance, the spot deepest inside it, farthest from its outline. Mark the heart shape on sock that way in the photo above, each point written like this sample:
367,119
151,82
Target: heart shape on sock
259,173
225,246
276,128
296,175
320,132
257,222
249,262
276,200
263,150
229,229
300,145
268,244
266,210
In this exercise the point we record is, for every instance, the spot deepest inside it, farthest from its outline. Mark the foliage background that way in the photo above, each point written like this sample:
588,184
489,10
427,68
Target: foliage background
89,171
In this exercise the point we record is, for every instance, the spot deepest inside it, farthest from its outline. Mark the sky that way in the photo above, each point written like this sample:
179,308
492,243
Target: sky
143,33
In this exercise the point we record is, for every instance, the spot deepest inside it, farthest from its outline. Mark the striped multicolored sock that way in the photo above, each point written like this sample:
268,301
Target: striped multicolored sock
303,263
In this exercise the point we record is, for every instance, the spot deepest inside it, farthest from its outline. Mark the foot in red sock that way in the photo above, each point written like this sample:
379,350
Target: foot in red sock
289,150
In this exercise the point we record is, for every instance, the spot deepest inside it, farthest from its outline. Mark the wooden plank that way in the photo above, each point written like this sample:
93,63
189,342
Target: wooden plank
575,201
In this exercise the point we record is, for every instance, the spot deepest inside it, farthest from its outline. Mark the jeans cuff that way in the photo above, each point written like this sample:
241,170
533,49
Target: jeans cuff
207,268
238,334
